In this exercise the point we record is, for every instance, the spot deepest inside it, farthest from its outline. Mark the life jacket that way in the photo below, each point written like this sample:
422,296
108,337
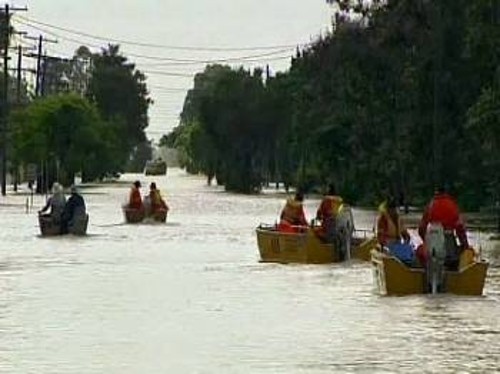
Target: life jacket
293,212
388,230
156,200
330,207
444,210
135,199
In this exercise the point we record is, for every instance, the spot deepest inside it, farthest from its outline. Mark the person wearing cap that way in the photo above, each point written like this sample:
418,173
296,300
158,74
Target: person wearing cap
293,213
135,199
56,202
443,209
75,207
330,207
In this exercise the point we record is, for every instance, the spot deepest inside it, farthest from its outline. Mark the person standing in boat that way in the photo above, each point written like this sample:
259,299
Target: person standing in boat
330,207
444,210
155,200
293,213
392,233
75,207
56,203
135,199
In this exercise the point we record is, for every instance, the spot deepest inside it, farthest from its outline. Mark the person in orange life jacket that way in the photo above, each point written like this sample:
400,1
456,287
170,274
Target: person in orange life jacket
443,209
390,228
293,213
327,212
135,199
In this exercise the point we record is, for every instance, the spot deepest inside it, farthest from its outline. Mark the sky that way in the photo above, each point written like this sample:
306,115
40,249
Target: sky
250,33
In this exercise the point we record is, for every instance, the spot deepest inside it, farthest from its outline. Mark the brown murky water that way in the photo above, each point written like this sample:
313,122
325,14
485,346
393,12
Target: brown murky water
191,297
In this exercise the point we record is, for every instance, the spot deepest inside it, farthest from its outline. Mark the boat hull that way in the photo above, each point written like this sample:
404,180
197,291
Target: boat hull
138,215
304,247
393,278
50,228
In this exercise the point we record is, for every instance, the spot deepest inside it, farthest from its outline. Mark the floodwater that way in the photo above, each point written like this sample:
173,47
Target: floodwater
191,297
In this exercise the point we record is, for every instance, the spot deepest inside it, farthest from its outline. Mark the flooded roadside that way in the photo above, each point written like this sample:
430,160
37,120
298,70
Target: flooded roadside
191,297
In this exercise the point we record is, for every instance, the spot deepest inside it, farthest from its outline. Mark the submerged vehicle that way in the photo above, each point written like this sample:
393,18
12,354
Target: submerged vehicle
393,277
49,227
155,167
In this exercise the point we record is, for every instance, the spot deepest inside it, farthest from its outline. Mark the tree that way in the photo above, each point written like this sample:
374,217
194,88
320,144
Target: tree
119,91
67,132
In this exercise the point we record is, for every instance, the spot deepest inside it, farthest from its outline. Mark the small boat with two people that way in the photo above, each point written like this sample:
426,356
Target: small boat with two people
306,244
152,209
396,277
65,217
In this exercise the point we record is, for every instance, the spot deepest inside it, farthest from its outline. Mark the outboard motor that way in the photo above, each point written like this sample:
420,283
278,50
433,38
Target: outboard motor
435,244
344,226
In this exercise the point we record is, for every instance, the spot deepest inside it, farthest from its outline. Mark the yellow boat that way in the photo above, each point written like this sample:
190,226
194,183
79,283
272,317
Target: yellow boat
305,247
392,277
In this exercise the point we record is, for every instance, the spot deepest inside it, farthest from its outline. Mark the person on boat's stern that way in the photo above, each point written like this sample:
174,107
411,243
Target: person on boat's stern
135,199
75,207
443,209
327,212
56,203
293,214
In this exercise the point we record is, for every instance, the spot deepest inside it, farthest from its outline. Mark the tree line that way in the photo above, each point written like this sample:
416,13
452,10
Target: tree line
401,95
89,118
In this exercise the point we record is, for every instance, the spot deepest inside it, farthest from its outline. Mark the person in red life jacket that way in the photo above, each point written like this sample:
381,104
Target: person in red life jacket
327,212
293,214
135,199
443,209
390,227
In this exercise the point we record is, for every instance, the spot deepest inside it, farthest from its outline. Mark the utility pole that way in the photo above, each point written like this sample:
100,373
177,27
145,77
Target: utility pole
42,178
39,73
5,95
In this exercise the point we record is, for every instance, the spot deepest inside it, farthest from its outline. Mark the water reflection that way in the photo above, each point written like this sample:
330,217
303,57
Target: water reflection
191,297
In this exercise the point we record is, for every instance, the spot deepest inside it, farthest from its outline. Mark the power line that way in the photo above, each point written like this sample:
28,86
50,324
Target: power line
169,61
152,45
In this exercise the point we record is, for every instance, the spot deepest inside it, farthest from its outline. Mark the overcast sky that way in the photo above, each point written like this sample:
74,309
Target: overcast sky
226,24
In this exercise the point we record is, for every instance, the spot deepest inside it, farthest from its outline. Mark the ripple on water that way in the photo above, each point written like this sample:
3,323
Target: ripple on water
191,297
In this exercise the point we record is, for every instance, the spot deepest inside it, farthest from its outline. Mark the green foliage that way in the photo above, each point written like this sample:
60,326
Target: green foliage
119,91
399,97
63,129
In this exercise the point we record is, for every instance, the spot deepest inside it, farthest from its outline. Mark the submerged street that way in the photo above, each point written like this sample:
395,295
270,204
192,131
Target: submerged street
190,296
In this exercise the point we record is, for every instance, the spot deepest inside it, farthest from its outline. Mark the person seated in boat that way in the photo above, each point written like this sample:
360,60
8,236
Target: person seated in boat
443,210
74,208
135,199
392,233
293,214
156,202
56,203
327,213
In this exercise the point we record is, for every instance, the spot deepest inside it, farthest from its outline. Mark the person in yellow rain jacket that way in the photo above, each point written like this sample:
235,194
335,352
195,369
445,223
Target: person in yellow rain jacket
155,200
293,214
392,233
330,207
